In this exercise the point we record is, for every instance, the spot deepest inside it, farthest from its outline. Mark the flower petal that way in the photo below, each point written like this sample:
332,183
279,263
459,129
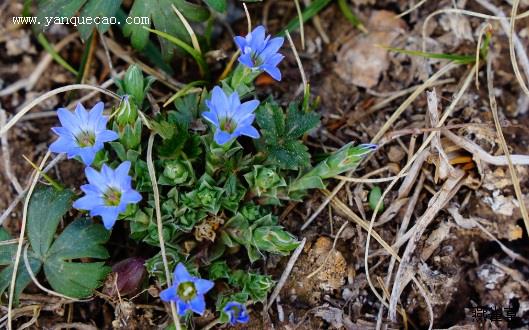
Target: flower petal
222,137
246,59
68,120
272,47
219,101
88,202
273,72
96,112
181,274
109,215
107,136
169,294
211,117
131,197
87,154
95,178
249,131
203,285
61,145
182,307
240,42
198,304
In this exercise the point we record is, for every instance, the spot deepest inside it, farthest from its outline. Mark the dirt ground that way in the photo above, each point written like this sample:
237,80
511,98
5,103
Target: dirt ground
473,250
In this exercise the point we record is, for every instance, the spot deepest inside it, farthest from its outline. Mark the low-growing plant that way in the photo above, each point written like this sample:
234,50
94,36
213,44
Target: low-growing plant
218,193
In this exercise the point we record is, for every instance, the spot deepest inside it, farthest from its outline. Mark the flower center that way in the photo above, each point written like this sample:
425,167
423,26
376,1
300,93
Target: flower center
112,196
86,139
186,291
256,59
236,311
228,125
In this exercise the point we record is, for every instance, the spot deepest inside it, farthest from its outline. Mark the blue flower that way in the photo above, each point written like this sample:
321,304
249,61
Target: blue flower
187,291
237,312
230,117
83,133
259,52
108,193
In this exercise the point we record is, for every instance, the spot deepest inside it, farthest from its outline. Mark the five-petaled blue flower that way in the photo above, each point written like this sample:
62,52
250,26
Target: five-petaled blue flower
82,133
259,52
108,193
237,312
230,117
187,291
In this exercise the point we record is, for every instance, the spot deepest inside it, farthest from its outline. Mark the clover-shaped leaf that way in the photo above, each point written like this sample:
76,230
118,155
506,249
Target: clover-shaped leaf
80,239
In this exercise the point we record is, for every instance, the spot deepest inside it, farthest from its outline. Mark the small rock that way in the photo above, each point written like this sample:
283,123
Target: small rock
361,60
395,154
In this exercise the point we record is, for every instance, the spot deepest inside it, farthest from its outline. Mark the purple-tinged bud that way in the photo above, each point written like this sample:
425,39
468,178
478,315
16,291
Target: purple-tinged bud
129,272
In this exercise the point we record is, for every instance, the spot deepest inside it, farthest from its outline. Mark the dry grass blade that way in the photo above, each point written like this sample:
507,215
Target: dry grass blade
438,201
156,193
514,61
298,61
479,154
6,155
512,171
301,25
283,279
189,29
448,112
36,176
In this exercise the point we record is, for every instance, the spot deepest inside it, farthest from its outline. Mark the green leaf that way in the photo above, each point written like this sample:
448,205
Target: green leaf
97,8
23,277
165,20
456,58
218,5
46,209
281,134
7,258
76,279
374,197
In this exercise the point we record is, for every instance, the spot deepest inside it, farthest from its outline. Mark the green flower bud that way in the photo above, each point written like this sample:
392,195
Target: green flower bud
134,84
342,160
127,112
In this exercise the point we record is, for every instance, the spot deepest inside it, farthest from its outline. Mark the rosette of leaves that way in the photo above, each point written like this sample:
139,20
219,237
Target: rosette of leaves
79,240
264,183
205,196
263,235
233,194
177,173
250,284
159,12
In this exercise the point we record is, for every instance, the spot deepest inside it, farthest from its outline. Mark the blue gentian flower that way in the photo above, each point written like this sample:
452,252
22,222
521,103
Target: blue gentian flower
83,133
259,52
237,312
187,291
230,117
108,193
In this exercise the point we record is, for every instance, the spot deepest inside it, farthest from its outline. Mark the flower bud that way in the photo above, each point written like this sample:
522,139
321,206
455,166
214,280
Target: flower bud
130,273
